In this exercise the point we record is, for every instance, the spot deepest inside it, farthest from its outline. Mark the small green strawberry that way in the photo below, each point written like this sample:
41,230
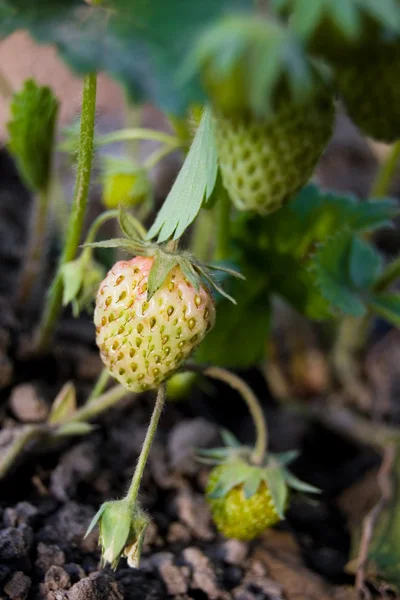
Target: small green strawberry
371,92
238,516
272,110
264,162
245,499
152,311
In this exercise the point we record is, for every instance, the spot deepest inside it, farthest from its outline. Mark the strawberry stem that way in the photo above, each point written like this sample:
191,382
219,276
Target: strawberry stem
144,453
253,404
54,300
100,385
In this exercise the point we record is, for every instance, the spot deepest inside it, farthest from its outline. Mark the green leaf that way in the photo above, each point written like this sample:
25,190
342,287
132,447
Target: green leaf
386,306
299,485
229,439
192,187
346,269
277,487
72,274
232,475
64,404
239,335
252,483
31,132
140,43
162,265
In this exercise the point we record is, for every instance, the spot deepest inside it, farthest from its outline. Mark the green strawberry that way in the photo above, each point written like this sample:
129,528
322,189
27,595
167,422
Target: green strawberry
264,162
124,183
237,516
141,340
371,92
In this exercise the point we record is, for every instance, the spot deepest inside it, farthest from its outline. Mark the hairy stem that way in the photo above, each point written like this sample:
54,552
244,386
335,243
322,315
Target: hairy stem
98,222
386,172
54,300
98,405
144,453
37,246
253,404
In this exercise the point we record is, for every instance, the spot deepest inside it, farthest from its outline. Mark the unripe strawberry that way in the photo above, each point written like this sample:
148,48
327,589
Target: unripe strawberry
371,92
236,516
264,162
142,341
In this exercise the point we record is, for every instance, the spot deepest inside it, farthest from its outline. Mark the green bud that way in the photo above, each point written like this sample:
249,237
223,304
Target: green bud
122,528
81,279
124,183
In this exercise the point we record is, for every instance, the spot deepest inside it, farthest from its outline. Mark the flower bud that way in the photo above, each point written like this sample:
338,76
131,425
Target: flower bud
122,528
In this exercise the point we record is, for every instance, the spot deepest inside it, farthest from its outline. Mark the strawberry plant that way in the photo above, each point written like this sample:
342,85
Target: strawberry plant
251,93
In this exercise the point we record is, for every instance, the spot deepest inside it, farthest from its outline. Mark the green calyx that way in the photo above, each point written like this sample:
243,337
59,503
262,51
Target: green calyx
249,63
81,278
122,528
166,257
238,471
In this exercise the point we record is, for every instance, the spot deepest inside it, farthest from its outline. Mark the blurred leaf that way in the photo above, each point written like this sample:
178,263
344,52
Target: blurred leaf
239,336
245,59
74,429
64,404
345,15
387,306
141,43
193,186
31,132
277,488
346,268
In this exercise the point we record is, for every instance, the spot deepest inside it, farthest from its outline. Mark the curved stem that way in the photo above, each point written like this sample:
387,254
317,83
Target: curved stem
54,300
98,405
154,158
223,209
136,133
148,440
33,261
240,386
98,222
386,172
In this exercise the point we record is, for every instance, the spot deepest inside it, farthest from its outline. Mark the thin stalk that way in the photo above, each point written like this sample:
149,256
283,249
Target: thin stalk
133,117
54,300
144,453
98,405
386,172
136,133
98,222
253,404
36,246
100,385
223,208
16,448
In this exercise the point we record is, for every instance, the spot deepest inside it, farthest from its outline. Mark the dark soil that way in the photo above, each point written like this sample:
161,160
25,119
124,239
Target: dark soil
49,498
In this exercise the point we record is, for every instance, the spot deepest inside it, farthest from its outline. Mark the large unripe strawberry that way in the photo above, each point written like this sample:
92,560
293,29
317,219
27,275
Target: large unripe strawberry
239,517
265,161
142,341
371,92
